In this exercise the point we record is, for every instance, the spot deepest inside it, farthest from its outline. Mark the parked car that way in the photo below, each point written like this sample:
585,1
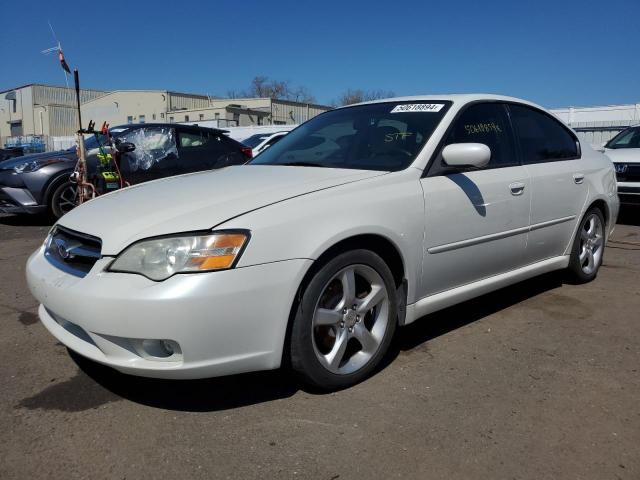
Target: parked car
262,141
40,183
624,152
362,219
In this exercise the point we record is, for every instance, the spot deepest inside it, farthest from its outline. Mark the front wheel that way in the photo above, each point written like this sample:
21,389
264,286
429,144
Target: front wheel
588,247
64,199
345,321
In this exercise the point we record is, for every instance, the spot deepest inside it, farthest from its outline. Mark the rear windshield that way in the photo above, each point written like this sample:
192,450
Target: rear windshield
381,136
255,140
629,138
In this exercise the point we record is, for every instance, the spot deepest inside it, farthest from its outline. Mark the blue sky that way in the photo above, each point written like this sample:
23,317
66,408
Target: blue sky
556,53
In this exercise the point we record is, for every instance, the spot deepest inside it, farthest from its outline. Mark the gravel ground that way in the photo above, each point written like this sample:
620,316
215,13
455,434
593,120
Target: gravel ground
538,381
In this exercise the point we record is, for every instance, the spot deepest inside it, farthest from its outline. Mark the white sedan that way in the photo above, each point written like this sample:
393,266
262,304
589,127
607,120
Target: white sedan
262,141
363,219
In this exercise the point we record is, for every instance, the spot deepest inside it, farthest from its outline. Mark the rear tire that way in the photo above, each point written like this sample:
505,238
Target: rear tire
588,247
63,199
344,322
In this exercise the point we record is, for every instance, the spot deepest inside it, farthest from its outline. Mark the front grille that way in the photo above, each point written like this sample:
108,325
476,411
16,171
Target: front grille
627,172
72,252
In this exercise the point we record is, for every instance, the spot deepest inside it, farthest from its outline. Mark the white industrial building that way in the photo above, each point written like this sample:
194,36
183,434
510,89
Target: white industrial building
597,125
35,116
144,106
40,110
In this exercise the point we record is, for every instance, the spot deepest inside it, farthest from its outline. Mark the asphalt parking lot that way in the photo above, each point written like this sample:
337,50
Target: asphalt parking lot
537,381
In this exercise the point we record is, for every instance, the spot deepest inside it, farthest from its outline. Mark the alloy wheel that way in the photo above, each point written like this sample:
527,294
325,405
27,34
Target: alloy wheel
591,243
350,319
68,198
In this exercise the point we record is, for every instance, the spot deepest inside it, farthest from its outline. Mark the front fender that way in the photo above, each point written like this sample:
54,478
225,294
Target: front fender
391,206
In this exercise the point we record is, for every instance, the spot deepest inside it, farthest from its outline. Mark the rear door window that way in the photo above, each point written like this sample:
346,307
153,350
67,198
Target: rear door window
542,138
203,150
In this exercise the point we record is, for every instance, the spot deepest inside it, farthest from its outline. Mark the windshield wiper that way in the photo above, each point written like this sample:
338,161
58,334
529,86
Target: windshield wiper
301,164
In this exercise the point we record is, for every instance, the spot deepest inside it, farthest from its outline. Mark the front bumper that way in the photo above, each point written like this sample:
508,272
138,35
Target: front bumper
629,193
221,323
18,200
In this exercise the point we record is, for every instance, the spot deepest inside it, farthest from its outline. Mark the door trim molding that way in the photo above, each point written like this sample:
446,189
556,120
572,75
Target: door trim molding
456,295
497,236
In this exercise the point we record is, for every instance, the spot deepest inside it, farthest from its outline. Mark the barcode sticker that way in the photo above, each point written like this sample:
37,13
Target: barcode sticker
418,107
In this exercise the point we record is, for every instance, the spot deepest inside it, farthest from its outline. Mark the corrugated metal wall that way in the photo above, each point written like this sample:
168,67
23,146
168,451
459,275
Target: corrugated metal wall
181,101
47,95
62,120
292,112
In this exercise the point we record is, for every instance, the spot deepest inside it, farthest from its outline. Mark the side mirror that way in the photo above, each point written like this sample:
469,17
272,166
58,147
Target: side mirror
125,147
466,155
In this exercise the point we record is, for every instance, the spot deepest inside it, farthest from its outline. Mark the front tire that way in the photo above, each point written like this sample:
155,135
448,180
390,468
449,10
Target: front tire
64,199
588,247
345,321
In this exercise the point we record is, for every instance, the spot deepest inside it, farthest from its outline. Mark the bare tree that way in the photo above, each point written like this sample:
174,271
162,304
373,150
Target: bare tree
358,95
264,87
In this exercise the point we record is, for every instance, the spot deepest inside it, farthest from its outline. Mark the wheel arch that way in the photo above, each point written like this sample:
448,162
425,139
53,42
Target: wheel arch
54,183
604,208
380,245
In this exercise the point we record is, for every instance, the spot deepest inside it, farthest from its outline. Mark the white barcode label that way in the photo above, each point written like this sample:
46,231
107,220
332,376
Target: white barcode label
418,107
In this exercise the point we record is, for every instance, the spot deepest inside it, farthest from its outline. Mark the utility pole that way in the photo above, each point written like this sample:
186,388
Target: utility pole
82,160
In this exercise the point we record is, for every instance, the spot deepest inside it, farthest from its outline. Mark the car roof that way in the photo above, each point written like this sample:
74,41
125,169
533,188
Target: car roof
460,98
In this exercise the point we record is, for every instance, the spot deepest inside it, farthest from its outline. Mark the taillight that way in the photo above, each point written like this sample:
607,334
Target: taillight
247,151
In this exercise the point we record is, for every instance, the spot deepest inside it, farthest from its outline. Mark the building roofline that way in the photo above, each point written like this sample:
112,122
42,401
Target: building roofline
47,85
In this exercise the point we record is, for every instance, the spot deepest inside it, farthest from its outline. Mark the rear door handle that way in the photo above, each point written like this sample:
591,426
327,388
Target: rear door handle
578,178
517,188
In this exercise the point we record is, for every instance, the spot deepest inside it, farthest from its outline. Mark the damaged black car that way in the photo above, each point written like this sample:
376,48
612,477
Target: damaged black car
41,183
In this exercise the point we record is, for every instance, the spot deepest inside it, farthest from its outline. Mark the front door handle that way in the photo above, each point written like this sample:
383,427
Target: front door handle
578,178
517,188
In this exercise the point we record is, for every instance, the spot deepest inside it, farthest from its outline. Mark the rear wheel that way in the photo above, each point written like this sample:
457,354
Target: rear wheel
64,199
345,321
588,247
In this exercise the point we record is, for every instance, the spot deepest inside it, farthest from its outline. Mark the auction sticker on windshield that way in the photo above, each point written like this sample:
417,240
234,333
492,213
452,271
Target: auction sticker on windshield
418,107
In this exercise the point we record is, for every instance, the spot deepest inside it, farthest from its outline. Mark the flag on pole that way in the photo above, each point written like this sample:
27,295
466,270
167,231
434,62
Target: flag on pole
63,62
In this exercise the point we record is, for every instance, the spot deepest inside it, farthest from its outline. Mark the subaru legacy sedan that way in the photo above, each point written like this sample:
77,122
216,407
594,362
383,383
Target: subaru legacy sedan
361,220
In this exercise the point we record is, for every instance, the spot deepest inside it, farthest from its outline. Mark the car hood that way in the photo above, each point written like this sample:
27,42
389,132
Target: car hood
197,201
623,155
12,162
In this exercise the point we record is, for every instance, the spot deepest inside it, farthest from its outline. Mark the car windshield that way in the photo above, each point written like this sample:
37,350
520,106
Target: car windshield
629,138
254,140
384,136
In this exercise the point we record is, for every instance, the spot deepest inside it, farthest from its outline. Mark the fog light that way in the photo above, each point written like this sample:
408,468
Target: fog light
159,349
168,346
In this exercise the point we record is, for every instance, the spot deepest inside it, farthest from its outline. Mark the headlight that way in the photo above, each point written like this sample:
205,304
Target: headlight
160,258
33,165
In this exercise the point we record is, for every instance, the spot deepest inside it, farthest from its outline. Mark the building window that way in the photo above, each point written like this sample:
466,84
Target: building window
259,120
186,118
236,118
142,118
129,119
170,119
153,116
202,116
217,116
162,115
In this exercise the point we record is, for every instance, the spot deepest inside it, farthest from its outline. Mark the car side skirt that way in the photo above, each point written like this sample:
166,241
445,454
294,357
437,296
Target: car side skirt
445,299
